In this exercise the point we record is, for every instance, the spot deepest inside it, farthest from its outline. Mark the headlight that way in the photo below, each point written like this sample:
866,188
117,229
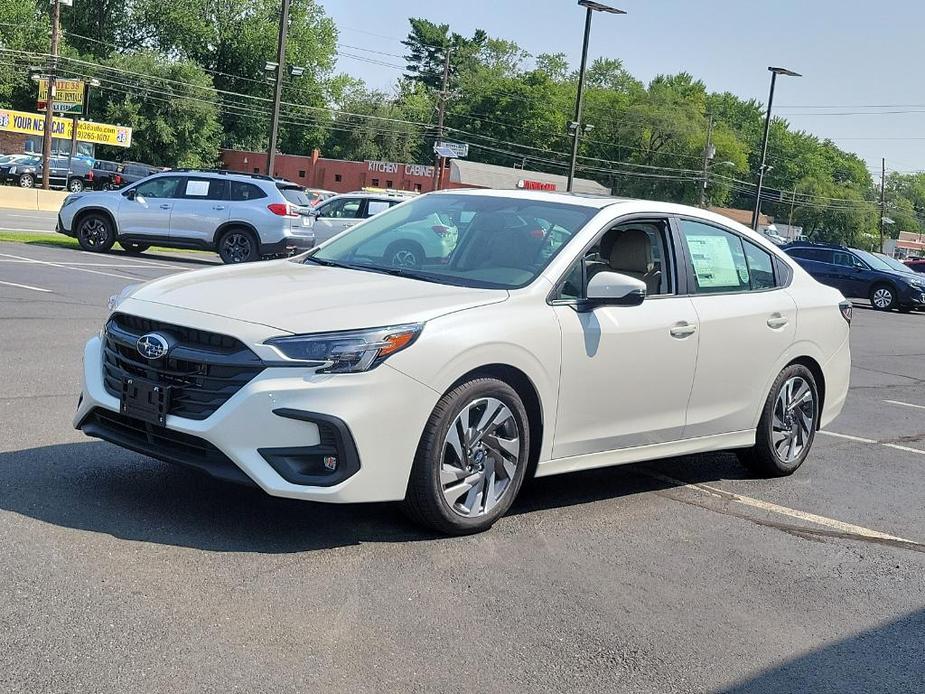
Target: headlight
350,351
117,299
71,198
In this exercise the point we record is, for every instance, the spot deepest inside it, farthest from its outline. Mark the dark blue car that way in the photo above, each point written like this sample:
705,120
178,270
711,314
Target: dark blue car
859,274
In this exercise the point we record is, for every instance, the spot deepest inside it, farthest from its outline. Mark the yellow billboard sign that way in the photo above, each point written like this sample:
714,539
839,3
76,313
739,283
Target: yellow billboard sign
87,131
69,96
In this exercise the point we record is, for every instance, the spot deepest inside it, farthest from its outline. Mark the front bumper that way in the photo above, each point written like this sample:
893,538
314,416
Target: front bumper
912,297
61,228
265,424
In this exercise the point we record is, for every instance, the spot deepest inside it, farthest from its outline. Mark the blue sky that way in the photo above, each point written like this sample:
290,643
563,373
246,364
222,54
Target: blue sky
853,54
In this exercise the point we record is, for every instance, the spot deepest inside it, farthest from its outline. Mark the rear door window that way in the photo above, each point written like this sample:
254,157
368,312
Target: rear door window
377,206
203,188
717,258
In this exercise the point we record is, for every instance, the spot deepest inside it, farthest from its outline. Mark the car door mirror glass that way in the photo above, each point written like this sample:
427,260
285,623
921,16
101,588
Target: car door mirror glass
615,289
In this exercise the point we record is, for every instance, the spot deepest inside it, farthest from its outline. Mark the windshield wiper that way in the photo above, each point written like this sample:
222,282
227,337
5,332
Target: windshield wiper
398,272
326,263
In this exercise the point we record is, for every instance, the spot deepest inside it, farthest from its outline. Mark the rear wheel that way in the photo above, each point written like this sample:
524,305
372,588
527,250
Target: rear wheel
471,460
132,247
882,297
95,233
787,426
75,185
404,254
238,246
26,181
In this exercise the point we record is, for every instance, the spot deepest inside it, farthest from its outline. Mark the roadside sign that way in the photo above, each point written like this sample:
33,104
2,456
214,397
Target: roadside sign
68,96
87,131
458,150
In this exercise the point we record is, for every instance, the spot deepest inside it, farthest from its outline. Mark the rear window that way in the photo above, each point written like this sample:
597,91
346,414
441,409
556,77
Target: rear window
296,196
245,191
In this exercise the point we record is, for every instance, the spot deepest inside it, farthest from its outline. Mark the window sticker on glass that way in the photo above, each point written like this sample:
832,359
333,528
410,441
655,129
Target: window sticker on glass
198,188
713,261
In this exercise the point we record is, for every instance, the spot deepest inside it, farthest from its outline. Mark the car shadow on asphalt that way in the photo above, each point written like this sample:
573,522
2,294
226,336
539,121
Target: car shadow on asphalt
98,487
887,658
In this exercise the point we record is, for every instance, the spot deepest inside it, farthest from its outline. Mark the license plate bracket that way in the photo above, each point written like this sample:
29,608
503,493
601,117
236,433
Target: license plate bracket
145,400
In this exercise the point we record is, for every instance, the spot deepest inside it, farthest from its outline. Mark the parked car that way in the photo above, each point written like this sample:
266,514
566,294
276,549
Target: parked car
857,273
243,217
343,211
132,172
106,175
636,330
26,172
915,264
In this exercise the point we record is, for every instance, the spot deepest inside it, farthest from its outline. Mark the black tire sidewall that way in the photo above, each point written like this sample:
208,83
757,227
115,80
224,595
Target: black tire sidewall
132,247
426,468
111,237
255,246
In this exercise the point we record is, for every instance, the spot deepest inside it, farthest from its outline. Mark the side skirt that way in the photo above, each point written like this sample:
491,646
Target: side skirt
638,454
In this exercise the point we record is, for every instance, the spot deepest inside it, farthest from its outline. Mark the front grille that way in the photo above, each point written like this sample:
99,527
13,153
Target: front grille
162,443
203,369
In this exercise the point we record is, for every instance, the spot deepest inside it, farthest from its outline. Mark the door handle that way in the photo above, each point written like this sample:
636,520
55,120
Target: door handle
682,329
777,321
219,207
165,206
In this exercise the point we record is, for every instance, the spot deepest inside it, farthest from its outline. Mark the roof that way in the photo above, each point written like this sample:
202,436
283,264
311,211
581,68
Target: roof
508,178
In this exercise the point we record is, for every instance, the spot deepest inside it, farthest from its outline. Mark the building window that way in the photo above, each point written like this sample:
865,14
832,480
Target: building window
417,187
256,169
301,173
375,181
388,184
337,178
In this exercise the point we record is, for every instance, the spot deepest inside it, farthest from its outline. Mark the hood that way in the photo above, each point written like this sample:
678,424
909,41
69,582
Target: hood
297,298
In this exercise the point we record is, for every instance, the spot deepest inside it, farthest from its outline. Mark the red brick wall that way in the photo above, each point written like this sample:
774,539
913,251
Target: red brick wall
11,143
331,174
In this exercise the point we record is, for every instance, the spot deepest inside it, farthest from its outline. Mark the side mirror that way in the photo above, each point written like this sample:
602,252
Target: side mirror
614,289
129,194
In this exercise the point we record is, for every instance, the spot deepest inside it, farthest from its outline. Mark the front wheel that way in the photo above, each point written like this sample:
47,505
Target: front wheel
26,181
787,426
471,460
238,246
882,297
95,233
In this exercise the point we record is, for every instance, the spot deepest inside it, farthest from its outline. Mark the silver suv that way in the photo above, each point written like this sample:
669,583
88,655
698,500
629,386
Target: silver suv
242,217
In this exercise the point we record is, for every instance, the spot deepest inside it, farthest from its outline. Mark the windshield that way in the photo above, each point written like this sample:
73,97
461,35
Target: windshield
875,262
467,240
895,264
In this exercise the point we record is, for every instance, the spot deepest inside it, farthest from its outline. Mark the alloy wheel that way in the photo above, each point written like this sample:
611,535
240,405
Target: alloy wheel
236,247
794,418
481,452
26,181
882,298
404,258
94,232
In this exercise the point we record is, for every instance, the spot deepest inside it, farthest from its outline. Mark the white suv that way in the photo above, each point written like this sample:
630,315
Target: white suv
559,333
243,217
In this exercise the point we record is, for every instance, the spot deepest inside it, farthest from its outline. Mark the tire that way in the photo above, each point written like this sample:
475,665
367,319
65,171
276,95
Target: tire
498,461
794,428
238,246
883,297
76,185
26,181
404,254
132,247
95,233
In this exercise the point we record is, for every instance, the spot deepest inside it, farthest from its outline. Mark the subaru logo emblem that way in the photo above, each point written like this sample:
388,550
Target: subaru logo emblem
152,346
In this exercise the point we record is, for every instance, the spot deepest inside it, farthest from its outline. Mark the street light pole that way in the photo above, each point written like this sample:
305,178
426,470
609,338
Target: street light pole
575,125
278,91
775,71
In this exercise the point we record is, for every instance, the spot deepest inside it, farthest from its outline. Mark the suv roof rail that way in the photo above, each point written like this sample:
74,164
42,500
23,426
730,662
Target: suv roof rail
225,172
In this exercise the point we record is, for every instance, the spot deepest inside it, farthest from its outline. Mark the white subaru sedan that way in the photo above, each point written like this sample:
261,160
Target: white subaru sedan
557,333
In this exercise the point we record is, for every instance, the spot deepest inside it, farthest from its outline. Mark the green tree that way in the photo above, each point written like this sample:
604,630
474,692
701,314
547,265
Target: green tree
23,27
427,44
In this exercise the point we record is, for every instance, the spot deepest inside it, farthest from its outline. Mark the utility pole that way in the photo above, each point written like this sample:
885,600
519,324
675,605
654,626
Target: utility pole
441,109
793,202
278,91
882,198
50,100
707,156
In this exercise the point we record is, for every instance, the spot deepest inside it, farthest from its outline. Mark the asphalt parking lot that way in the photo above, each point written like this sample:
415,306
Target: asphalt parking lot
123,574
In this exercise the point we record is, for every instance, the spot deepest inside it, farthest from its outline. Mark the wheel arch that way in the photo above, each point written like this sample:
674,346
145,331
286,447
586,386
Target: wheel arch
529,395
80,214
816,370
233,224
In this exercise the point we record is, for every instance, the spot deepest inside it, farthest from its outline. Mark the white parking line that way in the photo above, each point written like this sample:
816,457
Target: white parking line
71,264
904,404
26,286
824,521
28,231
885,444
67,267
